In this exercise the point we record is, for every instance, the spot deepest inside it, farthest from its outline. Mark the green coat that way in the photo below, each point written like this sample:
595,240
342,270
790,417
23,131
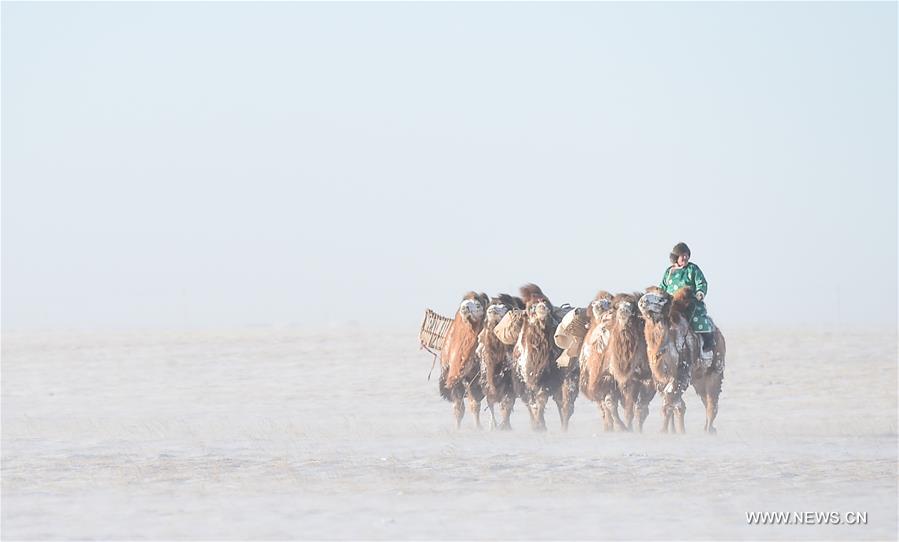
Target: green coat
690,275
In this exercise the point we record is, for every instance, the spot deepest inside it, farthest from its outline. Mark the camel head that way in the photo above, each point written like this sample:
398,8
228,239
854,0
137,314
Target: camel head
472,308
539,308
601,304
625,306
540,313
500,305
655,304
495,312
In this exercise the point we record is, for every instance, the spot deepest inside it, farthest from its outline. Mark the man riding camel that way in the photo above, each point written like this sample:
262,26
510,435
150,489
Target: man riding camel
684,273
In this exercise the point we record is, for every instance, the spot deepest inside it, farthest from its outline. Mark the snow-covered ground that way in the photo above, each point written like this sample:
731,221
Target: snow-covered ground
269,434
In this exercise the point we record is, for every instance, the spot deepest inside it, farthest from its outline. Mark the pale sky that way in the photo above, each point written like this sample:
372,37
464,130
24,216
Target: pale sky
231,164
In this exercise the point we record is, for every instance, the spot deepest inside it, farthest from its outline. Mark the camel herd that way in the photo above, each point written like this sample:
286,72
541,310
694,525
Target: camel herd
619,352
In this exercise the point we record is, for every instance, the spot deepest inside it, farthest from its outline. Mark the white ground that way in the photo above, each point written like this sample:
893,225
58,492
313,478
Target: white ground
290,434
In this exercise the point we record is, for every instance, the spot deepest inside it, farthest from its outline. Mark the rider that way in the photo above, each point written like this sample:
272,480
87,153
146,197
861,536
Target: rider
684,273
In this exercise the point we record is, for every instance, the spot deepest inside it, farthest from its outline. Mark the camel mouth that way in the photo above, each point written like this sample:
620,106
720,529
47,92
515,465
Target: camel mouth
540,311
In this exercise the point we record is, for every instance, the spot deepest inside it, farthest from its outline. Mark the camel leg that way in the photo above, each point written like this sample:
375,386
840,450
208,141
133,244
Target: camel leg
612,406
680,410
647,392
570,397
705,405
629,412
528,399
560,405
700,385
642,411
539,407
711,408
475,407
607,424
492,415
532,410
666,414
715,379
565,408
711,412
505,412
571,393
458,410
565,403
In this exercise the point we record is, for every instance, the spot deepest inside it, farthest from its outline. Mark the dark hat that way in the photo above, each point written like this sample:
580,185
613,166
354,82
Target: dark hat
678,250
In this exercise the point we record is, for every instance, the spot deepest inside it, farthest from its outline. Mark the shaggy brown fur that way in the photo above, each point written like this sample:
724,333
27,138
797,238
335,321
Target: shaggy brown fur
510,301
625,357
681,301
595,381
591,352
459,365
624,341
542,351
535,354
593,344
531,293
461,341
672,350
493,360
591,361
498,378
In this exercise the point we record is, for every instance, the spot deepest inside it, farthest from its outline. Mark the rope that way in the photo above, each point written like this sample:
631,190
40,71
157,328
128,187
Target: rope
433,363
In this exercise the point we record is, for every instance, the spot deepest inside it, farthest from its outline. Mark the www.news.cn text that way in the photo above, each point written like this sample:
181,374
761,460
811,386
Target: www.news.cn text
807,518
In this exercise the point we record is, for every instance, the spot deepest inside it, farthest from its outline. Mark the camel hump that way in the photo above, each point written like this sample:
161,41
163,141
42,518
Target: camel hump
681,301
531,293
509,301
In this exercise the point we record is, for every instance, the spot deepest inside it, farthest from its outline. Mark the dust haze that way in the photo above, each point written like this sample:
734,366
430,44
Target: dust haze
222,223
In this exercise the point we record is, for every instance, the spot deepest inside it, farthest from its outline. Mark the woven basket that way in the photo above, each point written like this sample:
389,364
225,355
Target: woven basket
509,327
575,323
434,330
570,334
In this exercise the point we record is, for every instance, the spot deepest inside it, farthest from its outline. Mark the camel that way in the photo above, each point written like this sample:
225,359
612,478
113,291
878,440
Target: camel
459,366
626,359
596,383
536,354
672,347
498,378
